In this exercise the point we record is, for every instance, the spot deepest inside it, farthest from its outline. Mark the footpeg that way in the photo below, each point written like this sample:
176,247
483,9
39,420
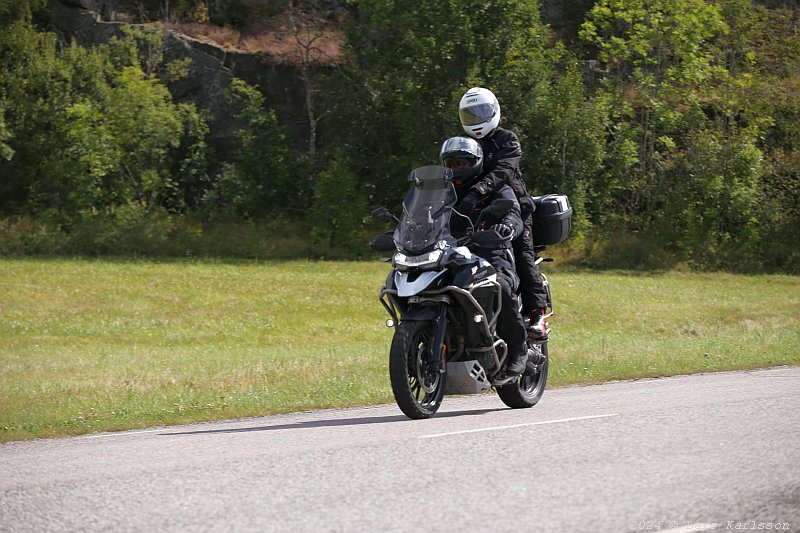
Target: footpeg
505,379
536,357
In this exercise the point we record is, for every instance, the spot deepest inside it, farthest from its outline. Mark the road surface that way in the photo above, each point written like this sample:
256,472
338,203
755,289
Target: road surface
695,453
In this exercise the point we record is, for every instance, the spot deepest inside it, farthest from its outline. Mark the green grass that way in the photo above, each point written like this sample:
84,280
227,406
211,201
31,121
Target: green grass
109,345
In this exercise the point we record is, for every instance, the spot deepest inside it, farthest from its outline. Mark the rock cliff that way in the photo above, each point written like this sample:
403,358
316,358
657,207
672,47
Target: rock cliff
211,70
213,67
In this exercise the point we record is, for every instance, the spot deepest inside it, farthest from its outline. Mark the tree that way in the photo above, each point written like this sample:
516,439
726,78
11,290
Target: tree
12,11
125,140
307,35
563,139
259,179
6,152
90,129
406,70
658,59
760,97
338,213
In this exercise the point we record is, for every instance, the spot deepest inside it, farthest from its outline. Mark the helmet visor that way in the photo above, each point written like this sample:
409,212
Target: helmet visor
457,162
460,147
477,114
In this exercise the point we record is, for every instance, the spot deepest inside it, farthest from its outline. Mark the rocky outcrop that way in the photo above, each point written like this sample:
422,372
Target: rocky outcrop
91,23
210,72
81,20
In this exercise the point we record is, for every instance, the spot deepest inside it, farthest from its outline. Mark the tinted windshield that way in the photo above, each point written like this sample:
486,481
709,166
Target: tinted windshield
426,210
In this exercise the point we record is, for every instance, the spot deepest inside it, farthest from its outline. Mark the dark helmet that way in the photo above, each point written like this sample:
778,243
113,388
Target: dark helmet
464,156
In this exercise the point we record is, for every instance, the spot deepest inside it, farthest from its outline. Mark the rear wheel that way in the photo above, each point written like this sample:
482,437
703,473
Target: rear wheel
418,386
528,389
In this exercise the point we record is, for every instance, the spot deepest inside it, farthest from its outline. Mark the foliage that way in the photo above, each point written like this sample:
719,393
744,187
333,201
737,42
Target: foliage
260,178
6,152
91,130
564,142
170,10
672,126
688,110
655,53
406,70
713,205
12,11
339,211
766,52
128,231
227,12
124,142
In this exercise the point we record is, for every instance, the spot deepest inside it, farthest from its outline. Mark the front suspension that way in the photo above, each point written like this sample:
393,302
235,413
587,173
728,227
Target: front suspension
438,348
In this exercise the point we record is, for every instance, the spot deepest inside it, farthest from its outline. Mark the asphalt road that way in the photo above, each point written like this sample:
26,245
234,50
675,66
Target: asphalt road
698,453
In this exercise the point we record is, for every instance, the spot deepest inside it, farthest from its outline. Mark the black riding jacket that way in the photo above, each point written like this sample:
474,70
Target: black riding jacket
501,157
512,218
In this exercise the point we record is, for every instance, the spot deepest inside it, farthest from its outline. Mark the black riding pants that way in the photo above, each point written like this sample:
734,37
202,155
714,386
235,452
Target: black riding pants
510,326
532,290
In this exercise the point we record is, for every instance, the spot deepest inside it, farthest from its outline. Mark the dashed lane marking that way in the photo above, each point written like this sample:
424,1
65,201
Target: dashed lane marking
495,428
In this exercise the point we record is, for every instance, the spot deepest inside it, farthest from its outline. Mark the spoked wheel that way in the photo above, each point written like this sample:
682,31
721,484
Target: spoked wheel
528,389
418,387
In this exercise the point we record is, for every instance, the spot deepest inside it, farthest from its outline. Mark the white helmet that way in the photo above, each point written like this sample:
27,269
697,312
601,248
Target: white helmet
479,111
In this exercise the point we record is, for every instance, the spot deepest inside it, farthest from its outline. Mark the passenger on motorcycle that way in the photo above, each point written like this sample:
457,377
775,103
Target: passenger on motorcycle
479,112
465,157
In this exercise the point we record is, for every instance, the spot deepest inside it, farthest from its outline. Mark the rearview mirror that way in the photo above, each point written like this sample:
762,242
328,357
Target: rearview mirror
384,215
383,243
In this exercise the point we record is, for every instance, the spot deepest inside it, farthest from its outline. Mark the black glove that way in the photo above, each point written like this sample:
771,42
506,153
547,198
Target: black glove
467,204
504,230
481,189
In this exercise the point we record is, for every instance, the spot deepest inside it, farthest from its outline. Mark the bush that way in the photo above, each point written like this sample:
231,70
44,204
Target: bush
338,214
628,251
134,232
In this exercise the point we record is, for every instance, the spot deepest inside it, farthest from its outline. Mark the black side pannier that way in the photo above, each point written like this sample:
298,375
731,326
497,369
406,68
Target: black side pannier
552,219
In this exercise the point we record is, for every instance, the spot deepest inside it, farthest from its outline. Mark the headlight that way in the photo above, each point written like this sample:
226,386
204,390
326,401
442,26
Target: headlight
402,261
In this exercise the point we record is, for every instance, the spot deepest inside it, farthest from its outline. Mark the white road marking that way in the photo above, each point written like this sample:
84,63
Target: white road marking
515,426
145,431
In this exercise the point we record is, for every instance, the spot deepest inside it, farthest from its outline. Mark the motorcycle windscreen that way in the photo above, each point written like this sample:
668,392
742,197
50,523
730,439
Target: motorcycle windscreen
426,210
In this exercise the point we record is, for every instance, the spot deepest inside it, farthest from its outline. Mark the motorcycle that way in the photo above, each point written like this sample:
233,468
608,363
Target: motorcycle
444,302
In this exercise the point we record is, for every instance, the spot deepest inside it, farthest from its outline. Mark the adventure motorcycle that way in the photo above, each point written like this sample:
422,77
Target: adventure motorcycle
444,302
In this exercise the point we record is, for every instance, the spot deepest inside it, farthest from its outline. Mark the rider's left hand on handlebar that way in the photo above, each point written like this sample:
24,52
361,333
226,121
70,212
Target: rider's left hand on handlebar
504,230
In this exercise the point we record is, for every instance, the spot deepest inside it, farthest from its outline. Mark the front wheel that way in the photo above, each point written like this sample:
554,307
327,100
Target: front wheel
418,386
528,389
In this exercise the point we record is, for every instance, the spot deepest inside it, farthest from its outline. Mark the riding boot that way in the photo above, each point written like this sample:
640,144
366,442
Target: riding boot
517,357
537,325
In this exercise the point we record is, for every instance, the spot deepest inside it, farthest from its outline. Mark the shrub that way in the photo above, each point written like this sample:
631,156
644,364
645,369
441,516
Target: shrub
338,213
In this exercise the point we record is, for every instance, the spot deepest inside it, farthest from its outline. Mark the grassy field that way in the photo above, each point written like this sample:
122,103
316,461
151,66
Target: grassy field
109,345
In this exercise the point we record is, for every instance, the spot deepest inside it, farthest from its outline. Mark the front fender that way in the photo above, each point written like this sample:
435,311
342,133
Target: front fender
420,314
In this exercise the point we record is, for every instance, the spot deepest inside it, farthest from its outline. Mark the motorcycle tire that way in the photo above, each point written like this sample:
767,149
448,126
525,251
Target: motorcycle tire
528,389
417,390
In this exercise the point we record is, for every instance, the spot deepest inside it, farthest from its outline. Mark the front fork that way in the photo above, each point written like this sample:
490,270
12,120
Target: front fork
437,348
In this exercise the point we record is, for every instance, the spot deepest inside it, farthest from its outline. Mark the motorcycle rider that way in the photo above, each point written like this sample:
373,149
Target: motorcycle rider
465,157
479,111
